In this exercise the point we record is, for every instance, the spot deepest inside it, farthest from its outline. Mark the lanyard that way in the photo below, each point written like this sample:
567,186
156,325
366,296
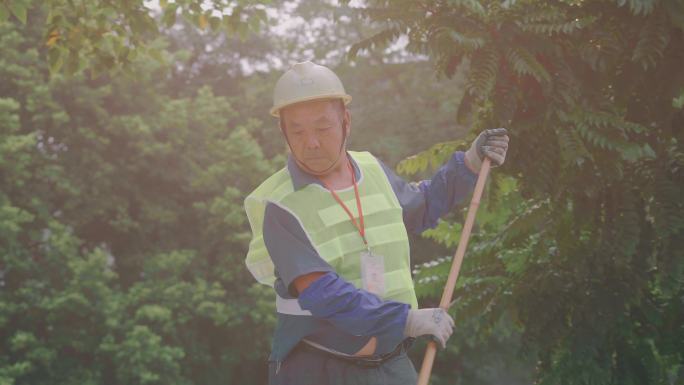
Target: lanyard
359,225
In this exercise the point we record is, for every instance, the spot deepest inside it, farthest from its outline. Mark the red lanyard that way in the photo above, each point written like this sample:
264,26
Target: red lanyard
360,228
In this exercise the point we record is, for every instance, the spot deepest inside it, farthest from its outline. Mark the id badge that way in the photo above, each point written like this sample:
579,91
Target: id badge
373,273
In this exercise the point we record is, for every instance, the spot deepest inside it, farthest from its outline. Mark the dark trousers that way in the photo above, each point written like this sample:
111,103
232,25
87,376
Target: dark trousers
306,367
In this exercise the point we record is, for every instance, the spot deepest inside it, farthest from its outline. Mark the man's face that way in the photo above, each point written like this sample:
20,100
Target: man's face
315,132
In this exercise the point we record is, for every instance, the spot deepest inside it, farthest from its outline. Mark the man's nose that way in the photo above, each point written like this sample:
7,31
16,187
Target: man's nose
312,141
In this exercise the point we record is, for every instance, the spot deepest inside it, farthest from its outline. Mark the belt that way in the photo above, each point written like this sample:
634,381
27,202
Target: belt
370,362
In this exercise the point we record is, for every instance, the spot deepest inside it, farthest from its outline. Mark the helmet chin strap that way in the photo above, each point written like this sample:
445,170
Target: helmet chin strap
309,170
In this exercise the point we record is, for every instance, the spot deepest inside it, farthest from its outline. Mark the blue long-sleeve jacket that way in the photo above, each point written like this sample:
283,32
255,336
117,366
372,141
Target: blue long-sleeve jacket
356,311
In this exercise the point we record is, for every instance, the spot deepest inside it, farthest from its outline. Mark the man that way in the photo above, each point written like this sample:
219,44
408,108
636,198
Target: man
330,236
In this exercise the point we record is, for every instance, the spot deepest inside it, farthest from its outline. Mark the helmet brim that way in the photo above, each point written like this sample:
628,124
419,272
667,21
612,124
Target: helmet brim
274,111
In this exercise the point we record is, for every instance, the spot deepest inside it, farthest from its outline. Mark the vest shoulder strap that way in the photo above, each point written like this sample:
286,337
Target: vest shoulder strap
363,157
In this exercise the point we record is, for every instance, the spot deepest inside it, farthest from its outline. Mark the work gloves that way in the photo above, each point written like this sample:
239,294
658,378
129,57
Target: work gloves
434,321
491,143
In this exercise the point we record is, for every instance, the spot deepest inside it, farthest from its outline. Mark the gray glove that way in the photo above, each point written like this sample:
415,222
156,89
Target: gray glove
434,321
491,143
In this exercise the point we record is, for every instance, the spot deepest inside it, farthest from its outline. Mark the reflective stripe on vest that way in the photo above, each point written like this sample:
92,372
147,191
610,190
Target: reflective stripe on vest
289,306
331,232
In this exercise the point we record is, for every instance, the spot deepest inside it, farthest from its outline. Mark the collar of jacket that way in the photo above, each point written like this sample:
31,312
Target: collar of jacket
301,178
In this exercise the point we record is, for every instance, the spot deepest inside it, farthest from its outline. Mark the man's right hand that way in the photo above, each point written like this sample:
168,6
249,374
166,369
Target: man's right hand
434,321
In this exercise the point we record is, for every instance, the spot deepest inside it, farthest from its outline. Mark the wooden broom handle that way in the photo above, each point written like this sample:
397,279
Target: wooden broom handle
431,350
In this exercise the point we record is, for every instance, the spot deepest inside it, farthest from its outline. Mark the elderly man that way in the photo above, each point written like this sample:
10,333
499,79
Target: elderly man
330,236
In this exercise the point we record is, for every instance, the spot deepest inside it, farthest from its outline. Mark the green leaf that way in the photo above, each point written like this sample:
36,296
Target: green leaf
470,43
4,13
678,102
215,23
169,17
472,5
653,40
378,40
525,63
18,9
254,24
195,7
202,21
156,54
483,72
647,151
55,59
639,6
433,157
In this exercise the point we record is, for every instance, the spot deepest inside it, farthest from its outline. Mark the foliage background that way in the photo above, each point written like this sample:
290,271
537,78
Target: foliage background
130,133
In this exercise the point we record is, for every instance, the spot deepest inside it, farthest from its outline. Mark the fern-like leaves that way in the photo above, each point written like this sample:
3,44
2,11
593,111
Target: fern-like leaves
524,63
653,39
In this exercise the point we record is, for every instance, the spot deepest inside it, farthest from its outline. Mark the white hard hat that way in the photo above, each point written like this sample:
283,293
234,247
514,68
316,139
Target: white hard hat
307,81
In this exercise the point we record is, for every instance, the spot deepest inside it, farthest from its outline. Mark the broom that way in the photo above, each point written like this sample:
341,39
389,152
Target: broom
431,350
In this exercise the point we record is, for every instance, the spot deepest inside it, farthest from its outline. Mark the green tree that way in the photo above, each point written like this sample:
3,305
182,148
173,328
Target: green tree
107,36
588,261
122,228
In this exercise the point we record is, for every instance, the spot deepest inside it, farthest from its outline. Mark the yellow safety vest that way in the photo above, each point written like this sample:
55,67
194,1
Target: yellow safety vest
331,232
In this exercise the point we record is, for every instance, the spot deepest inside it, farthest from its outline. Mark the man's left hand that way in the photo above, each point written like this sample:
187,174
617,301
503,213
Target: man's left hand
492,143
